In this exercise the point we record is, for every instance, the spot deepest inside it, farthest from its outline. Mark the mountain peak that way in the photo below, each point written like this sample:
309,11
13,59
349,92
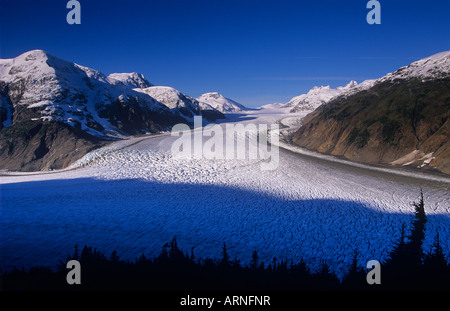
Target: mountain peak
319,89
434,66
220,102
351,84
33,55
132,79
172,99
214,95
31,65
315,97
41,56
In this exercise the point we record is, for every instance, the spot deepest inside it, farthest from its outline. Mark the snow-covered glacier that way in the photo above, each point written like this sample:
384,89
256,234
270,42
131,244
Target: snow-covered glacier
133,196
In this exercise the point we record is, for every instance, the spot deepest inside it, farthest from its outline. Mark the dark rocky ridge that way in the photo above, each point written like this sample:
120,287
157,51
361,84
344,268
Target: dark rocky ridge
384,124
38,145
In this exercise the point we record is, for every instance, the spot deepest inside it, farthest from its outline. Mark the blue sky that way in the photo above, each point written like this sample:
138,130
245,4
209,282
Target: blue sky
255,52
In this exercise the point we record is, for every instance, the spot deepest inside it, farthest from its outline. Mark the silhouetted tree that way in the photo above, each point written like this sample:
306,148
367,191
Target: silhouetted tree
192,257
404,269
225,258
325,278
142,259
262,266
164,255
236,264
86,253
414,247
274,263
356,277
436,267
75,253
254,261
436,258
175,253
114,257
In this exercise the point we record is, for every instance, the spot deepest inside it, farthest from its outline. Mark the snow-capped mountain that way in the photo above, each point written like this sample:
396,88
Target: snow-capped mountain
54,89
182,104
132,79
433,67
401,118
320,95
173,99
39,86
273,106
221,103
43,96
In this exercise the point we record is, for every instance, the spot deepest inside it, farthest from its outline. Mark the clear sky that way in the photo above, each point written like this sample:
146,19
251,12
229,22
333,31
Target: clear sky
255,52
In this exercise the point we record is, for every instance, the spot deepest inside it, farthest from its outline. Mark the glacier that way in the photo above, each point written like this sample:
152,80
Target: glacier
133,196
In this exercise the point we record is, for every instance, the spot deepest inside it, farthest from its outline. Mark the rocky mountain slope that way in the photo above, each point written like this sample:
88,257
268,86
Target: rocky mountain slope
83,106
320,95
317,96
402,119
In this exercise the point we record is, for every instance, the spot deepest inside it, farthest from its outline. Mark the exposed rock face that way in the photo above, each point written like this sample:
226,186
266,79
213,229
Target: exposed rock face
401,119
397,121
38,145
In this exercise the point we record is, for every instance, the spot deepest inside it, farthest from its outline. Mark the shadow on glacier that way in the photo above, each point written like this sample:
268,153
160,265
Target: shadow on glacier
42,221
235,117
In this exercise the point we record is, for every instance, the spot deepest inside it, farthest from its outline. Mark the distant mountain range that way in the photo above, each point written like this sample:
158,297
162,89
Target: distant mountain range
318,96
53,111
399,119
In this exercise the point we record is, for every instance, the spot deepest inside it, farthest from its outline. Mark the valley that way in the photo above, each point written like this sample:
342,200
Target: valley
133,196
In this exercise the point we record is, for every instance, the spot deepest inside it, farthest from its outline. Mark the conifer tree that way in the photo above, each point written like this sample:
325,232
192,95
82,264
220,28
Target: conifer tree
192,257
435,260
404,269
414,247
225,258
254,261
356,277
114,257
75,253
